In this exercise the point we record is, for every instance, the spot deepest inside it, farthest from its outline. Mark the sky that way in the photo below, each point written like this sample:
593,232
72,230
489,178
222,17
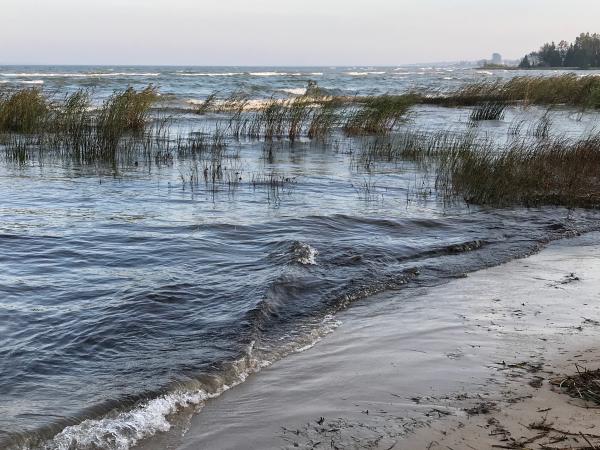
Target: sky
283,32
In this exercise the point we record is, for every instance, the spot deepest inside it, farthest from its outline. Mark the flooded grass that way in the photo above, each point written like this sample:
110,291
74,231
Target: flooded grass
488,111
548,172
530,169
567,89
378,115
24,111
32,122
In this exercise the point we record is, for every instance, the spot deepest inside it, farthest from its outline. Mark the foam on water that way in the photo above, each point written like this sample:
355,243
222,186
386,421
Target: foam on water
208,74
364,74
305,254
295,91
78,75
123,430
267,74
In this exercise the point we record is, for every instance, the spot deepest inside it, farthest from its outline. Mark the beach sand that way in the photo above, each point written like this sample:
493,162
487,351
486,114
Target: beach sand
463,365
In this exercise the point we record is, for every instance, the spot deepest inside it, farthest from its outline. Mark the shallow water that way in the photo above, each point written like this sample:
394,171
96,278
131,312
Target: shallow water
129,291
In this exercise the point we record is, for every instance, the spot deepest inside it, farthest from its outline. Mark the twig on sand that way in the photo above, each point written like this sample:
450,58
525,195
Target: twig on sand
587,440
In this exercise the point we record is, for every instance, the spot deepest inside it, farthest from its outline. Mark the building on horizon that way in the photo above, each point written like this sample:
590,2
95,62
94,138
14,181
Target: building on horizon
496,59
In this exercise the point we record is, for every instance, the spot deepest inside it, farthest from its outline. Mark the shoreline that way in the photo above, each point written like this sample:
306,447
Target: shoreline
536,68
461,365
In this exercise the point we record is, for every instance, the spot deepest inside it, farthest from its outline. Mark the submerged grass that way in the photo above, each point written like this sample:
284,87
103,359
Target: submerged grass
378,114
567,89
488,111
530,170
548,172
24,111
71,126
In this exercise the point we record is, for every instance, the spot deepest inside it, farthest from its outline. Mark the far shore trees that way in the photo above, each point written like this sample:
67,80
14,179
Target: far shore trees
584,53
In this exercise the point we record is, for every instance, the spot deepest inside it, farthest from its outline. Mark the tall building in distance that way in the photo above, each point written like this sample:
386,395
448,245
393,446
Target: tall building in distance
496,58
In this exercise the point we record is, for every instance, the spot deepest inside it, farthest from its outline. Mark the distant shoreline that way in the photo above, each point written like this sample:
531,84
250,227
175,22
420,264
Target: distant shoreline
533,68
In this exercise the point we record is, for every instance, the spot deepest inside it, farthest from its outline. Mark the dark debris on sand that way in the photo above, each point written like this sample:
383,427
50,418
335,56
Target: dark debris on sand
584,385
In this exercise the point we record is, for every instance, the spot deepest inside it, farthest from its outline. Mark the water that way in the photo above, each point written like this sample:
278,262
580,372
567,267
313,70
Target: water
128,293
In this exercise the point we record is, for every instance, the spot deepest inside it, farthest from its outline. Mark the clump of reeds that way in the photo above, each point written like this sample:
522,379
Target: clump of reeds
488,111
378,114
24,111
567,89
209,104
127,110
70,127
541,129
550,172
276,119
124,111
418,146
471,94
324,119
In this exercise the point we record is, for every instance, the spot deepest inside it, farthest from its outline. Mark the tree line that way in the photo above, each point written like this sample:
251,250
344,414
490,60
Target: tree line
583,53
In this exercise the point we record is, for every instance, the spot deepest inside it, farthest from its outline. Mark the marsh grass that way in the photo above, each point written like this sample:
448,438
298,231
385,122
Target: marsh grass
421,147
567,89
325,119
531,169
548,172
123,112
274,183
488,111
24,111
282,119
525,171
541,128
71,127
209,104
378,114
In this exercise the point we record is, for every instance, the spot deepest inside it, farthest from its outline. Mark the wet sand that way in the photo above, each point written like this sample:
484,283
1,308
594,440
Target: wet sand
467,364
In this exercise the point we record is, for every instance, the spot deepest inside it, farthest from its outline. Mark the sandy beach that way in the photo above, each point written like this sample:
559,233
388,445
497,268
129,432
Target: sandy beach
467,364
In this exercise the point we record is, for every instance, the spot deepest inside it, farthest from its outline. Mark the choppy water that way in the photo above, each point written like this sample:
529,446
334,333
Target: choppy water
127,292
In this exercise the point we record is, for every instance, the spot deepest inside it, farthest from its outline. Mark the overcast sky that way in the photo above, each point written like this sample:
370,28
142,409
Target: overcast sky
283,32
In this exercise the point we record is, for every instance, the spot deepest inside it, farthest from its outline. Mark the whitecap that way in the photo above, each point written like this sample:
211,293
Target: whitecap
294,91
208,74
267,74
363,74
78,75
124,430
305,254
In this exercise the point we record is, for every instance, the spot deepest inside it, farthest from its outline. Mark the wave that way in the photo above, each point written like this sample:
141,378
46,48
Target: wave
266,74
208,74
294,91
284,74
123,430
22,81
304,254
157,412
364,74
79,75
253,74
248,105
